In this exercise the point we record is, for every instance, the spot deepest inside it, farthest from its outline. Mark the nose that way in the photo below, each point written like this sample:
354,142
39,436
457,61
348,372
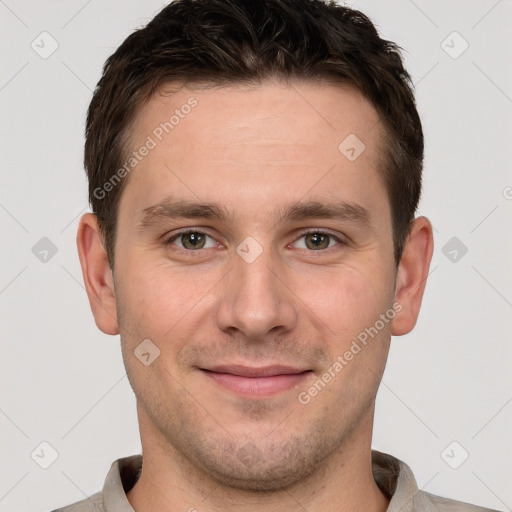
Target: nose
255,301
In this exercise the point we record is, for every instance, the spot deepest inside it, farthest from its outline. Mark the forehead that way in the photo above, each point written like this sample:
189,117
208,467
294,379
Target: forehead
269,141
313,114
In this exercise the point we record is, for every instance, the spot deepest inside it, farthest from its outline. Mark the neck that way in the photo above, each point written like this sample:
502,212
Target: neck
343,482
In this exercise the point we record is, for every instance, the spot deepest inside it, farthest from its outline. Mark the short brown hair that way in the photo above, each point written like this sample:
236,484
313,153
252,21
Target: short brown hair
222,42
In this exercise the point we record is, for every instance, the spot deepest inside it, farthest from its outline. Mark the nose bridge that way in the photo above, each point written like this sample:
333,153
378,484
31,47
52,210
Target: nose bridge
254,300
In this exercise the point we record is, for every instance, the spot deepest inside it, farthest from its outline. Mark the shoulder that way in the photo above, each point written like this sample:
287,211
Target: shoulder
122,476
396,479
431,502
92,504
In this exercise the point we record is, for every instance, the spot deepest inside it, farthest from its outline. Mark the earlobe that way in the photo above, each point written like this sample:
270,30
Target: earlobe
412,275
97,274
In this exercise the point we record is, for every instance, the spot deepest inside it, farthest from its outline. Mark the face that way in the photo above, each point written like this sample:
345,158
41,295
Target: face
255,252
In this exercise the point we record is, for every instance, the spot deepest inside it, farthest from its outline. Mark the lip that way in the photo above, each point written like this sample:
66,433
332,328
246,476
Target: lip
256,381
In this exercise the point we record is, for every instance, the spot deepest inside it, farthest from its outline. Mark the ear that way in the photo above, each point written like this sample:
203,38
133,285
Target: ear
412,275
98,278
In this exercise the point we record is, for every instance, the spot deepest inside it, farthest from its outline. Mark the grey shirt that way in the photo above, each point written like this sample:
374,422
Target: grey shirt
393,477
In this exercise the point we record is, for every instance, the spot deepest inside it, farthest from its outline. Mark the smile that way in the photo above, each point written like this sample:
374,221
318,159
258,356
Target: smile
256,382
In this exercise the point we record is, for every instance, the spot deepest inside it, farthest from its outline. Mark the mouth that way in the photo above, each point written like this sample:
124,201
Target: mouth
256,381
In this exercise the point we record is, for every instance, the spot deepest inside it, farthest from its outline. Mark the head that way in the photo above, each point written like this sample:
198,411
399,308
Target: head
254,170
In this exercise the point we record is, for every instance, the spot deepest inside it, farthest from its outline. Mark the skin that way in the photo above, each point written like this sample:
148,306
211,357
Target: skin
254,151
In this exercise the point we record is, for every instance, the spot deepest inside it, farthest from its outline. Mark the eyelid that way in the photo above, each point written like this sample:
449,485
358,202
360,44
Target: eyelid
168,240
341,239
323,231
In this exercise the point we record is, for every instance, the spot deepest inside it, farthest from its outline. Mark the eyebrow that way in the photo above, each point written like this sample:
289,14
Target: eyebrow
171,208
339,210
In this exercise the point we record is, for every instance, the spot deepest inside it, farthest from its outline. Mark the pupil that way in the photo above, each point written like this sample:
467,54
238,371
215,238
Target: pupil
193,239
318,240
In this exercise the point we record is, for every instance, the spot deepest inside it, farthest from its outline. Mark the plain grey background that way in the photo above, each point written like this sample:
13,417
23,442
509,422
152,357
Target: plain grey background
447,391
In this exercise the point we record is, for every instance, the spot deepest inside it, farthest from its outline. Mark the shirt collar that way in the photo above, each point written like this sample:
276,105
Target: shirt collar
394,478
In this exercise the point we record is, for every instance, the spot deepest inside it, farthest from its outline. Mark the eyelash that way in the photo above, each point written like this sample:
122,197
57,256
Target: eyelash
170,240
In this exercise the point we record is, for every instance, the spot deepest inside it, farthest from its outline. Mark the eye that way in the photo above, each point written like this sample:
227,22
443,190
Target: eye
192,240
318,240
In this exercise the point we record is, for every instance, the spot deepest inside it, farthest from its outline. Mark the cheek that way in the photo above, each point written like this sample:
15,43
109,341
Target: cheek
160,300
158,303
346,299
348,303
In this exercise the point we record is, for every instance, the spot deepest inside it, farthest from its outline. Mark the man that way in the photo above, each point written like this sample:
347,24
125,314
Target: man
254,170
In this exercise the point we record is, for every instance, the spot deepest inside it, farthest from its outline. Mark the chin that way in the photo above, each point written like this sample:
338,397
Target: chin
263,468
